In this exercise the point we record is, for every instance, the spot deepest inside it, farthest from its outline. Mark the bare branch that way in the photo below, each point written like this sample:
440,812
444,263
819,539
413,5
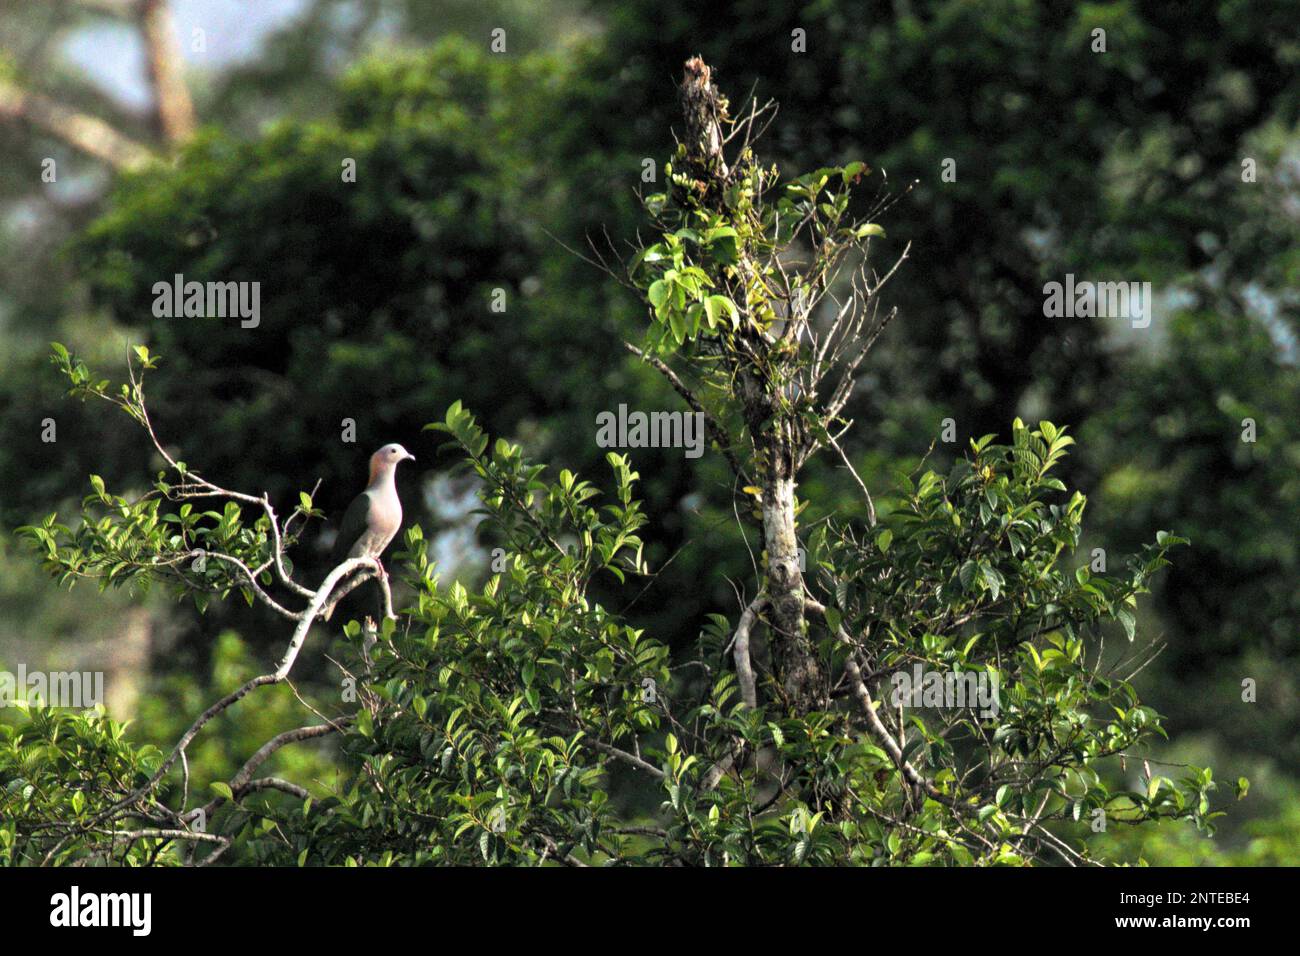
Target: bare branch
116,8
710,423
242,782
194,835
740,651
630,759
871,505
274,783
353,583
83,132
313,608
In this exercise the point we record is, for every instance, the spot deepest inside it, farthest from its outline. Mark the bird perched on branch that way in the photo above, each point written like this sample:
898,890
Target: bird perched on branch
375,515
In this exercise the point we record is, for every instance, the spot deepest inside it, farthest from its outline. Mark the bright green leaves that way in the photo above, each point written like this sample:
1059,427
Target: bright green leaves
1037,451
554,520
138,541
821,199
491,704
853,172
459,423
679,276
718,308
147,361
722,244
65,765
83,384
716,268
970,579
808,187
658,295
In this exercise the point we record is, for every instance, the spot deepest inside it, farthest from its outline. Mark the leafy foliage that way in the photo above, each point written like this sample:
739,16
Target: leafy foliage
119,540
943,70
490,722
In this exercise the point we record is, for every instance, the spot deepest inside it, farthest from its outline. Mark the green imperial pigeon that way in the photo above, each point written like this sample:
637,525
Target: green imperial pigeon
374,516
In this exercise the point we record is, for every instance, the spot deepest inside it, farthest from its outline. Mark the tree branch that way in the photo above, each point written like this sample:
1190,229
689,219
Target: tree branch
83,132
740,651
627,758
710,423
871,505
877,726
242,782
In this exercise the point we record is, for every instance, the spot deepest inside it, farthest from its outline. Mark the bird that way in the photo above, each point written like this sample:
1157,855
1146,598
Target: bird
374,516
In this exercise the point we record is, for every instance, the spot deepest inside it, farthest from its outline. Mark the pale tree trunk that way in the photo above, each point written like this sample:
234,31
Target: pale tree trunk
166,71
796,658
792,651
772,434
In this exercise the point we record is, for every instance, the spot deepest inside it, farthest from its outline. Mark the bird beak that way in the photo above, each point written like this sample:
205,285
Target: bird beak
410,456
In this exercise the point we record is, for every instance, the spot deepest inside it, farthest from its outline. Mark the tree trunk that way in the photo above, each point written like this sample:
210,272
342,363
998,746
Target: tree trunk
794,658
172,101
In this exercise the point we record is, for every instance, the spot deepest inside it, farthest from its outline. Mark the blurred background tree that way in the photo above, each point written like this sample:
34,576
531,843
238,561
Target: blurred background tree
476,169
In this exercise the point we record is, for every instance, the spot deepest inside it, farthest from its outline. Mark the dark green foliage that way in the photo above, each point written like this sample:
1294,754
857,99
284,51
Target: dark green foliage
488,720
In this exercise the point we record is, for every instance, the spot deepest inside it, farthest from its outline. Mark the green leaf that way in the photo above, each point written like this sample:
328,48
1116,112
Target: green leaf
1125,617
657,294
715,306
677,322
853,170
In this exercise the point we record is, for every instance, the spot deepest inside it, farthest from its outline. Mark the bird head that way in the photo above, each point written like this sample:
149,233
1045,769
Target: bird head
387,458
